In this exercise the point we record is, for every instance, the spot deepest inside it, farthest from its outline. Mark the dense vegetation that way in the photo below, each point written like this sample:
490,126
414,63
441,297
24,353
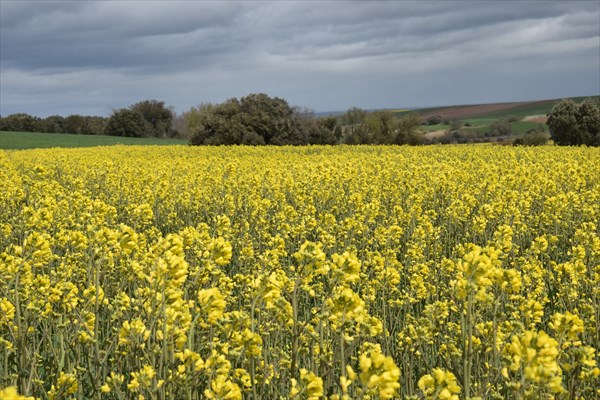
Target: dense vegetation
575,124
321,272
148,118
258,119
76,124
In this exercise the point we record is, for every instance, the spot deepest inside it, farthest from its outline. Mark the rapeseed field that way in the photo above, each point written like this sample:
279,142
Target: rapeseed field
456,272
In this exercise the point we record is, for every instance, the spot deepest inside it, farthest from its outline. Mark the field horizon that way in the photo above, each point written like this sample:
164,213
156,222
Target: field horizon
477,118
40,140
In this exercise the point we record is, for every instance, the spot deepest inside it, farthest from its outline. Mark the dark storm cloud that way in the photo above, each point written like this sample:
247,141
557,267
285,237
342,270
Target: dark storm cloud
90,56
110,34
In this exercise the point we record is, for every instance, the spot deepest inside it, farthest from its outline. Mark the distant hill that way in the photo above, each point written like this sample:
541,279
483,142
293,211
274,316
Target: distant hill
492,110
481,121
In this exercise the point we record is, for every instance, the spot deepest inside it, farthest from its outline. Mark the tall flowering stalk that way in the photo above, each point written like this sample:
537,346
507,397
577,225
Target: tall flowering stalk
375,272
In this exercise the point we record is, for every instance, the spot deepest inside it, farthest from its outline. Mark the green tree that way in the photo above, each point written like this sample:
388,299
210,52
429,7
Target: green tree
195,117
218,125
575,124
54,124
95,125
75,124
328,131
382,126
157,116
408,131
317,130
272,118
21,123
588,118
253,120
124,122
355,128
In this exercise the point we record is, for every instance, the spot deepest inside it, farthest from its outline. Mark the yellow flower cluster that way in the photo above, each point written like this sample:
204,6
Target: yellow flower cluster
379,374
310,386
440,385
375,272
534,356
10,393
66,385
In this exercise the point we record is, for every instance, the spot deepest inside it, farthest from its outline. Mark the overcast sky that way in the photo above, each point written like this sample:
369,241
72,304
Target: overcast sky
88,57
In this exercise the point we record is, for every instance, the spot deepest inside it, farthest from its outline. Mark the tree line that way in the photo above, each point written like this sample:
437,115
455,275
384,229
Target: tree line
255,119
77,124
147,118
258,119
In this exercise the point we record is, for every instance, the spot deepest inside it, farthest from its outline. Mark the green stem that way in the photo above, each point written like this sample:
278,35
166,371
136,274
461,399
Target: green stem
294,366
467,352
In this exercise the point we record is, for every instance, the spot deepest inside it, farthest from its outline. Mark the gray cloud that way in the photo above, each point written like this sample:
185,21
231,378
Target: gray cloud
91,56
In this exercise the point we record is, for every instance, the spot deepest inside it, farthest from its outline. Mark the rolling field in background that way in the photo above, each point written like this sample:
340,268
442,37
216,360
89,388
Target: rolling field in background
493,110
31,140
528,115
